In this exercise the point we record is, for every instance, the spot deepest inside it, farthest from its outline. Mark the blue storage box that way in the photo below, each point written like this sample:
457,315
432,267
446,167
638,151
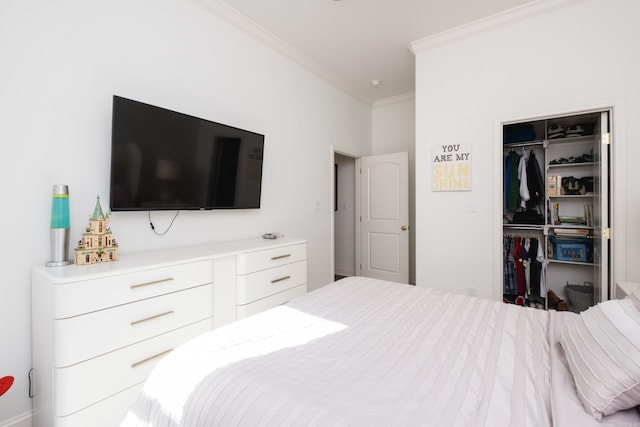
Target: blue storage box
575,250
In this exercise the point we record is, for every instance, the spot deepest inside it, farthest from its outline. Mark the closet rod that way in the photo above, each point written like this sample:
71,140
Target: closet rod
524,144
523,227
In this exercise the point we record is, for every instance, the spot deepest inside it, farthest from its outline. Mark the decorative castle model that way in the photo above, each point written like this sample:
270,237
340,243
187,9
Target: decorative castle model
97,243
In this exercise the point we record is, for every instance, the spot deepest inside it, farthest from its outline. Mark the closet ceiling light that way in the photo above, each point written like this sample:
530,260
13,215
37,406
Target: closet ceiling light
375,82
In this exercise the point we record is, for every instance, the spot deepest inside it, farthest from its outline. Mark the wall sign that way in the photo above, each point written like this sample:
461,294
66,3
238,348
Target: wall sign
451,167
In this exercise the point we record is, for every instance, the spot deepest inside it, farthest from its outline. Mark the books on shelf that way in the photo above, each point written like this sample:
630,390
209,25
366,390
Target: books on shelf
552,186
588,214
555,213
575,220
571,232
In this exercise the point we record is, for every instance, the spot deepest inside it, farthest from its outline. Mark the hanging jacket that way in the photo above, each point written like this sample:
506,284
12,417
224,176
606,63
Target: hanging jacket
513,184
535,182
522,176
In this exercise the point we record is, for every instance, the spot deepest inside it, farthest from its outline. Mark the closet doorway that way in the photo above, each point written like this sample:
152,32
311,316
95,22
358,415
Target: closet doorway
570,217
344,215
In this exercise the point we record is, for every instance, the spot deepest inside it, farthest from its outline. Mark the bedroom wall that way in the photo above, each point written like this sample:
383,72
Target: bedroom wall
63,61
468,81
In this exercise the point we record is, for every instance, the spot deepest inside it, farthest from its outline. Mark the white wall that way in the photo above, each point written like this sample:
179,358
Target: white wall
394,130
63,61
578,57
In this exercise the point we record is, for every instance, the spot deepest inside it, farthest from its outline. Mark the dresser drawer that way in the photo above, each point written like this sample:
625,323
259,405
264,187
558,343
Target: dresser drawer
107,413
250,262
75,298
90,335
255,286
271,301
96,379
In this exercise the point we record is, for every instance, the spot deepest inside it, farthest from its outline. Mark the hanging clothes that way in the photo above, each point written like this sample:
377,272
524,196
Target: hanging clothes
526,265
524,268
507,180
512,183
510,281
518,263
522,176
506,241
535,183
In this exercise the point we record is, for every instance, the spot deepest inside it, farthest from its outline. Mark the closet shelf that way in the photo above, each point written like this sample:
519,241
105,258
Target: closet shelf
566,140
571,165
524,227
556,261
524,144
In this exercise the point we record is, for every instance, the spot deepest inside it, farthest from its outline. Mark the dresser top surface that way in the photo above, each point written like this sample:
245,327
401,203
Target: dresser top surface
149,259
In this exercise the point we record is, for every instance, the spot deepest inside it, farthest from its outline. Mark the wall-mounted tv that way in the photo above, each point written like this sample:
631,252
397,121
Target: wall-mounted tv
165,160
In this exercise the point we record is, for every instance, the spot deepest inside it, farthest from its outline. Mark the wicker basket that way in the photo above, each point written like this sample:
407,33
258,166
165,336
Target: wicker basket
579,297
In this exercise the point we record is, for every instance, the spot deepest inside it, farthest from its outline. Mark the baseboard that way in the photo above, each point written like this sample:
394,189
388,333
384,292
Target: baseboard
23,420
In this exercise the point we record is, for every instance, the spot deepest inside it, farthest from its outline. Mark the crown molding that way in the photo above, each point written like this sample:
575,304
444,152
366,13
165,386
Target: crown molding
526,11
397,99
248,26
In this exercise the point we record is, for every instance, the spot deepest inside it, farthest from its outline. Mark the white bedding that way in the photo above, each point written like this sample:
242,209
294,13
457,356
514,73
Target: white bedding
363,352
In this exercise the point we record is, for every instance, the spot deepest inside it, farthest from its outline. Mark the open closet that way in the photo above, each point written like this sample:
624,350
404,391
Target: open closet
556,210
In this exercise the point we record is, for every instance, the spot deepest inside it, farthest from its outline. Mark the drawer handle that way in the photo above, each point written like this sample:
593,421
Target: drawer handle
137,322
275,258
149,359
281,279
155,282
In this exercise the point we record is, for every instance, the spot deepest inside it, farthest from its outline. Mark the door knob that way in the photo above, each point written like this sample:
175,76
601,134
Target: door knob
403,228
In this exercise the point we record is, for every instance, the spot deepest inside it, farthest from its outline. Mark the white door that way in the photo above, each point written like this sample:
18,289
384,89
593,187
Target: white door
602,242
384,220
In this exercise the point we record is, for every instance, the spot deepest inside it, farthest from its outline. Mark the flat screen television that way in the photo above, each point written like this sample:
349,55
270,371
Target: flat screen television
165,160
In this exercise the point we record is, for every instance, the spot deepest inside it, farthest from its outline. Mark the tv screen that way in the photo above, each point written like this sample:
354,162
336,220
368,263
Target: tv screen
165,160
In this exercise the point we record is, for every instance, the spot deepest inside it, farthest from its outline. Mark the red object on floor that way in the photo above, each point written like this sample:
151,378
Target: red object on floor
5,384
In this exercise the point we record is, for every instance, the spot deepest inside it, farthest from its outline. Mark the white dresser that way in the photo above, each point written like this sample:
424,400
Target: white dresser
269,277
98,330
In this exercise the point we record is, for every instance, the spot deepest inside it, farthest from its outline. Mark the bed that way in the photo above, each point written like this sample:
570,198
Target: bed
365,352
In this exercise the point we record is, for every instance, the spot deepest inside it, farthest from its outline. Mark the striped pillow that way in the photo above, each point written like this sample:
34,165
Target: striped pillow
602,346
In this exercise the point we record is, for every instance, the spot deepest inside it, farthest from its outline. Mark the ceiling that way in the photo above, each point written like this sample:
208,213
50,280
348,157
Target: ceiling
353,42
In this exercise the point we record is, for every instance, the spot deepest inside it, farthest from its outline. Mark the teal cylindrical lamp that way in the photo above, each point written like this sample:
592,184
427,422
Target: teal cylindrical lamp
60,226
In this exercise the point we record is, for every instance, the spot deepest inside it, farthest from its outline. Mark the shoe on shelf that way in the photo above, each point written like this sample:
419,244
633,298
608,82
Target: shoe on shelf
575,130
584,158
555,131
556,302
560,161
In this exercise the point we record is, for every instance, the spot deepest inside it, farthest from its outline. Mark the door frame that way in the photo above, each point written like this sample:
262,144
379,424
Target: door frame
617,216
332,248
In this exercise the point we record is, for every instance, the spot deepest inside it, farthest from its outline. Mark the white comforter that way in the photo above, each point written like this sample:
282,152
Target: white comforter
361,352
